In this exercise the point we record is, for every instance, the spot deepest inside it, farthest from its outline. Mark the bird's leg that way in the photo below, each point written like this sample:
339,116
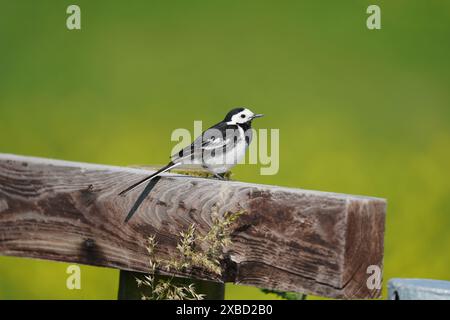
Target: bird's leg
219,176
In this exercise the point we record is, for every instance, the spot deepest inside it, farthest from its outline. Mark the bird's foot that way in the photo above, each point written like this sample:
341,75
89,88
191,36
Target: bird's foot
219,176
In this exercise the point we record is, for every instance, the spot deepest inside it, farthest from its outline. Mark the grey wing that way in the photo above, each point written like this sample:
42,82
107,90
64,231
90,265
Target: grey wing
207,142
248,136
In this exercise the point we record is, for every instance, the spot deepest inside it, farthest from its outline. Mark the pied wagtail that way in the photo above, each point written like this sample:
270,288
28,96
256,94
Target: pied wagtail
218,149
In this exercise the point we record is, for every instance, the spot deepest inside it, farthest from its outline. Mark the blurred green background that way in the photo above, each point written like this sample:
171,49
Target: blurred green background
359,111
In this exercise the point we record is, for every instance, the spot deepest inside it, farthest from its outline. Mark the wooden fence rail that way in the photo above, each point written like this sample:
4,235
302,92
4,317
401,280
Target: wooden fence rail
289,239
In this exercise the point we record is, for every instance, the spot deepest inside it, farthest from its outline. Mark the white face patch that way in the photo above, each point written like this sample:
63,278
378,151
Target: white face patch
241,117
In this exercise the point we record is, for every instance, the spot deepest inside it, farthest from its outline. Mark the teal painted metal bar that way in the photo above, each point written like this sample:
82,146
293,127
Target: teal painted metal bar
418,289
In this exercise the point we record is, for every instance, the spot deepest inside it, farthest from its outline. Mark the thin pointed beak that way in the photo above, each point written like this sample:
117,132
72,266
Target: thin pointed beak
257,116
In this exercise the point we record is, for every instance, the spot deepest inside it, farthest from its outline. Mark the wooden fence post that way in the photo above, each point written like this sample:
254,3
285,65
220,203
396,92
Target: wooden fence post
128,289
312,242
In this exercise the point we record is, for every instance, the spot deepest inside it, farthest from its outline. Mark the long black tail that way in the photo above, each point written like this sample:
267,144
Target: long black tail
157,173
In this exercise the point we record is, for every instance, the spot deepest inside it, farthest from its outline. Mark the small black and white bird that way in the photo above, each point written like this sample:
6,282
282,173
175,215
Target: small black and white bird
218,149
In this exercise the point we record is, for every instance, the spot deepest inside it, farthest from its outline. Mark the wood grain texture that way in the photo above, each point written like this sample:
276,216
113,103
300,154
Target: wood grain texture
289,239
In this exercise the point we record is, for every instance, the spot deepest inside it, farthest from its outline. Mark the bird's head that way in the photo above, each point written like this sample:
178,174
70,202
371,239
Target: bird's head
241,116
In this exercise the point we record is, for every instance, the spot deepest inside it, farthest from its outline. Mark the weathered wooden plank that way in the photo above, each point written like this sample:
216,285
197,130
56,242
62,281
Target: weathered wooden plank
289,239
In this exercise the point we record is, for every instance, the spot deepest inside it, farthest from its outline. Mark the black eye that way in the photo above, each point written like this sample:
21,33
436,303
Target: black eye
242,115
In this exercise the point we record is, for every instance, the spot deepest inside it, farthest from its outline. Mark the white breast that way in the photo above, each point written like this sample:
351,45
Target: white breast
230,158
